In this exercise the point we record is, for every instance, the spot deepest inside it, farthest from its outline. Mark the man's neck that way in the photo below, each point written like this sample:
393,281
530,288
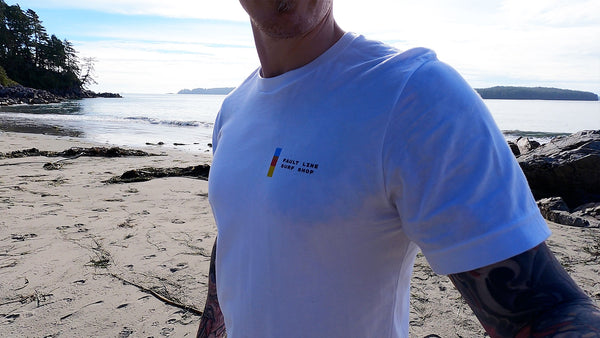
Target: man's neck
278,56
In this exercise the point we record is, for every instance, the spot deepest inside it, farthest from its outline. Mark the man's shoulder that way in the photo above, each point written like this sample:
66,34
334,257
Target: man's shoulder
376,50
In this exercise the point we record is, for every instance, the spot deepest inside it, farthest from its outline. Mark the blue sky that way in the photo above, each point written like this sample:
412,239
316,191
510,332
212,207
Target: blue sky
157,46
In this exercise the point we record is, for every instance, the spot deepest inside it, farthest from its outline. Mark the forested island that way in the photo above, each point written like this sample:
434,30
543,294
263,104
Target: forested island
207,91
535,93
36,67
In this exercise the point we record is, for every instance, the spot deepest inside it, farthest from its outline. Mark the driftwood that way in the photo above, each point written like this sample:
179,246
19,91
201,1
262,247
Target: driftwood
159,296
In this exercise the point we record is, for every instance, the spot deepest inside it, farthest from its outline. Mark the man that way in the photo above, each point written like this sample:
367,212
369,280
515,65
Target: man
340,158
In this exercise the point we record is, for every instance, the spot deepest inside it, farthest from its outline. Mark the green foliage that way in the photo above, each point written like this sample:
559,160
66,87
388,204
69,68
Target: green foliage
34,59
5,80
537,93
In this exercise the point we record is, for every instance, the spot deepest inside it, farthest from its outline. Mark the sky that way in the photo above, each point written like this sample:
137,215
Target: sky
157,46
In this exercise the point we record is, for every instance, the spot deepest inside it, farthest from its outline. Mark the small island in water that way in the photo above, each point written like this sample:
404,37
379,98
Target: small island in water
207,91
534,93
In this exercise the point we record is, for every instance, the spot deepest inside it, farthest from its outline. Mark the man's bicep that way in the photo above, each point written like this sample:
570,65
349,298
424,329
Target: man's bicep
525,294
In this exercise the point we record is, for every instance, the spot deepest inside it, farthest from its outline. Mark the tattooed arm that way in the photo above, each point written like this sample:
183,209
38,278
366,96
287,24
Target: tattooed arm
212,323
529,295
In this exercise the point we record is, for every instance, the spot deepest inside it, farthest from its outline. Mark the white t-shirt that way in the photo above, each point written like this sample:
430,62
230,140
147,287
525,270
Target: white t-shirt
328,179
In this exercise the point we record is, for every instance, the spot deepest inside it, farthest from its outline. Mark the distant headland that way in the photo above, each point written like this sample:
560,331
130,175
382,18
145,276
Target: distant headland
498,92
534,93
207,91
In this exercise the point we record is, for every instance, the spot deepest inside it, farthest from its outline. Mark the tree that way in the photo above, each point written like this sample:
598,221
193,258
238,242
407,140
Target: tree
88,72
40,37
34,59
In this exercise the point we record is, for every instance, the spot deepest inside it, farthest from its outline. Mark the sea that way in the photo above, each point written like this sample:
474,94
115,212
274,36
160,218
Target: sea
185,121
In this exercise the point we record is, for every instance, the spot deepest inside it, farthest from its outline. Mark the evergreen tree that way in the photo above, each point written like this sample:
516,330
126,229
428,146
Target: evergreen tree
40,37
34,59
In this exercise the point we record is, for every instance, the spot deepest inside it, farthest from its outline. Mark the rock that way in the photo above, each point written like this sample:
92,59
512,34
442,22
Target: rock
553,203
19,95
526,145
556,210
24,95
589,210
53,166
567,166
513,147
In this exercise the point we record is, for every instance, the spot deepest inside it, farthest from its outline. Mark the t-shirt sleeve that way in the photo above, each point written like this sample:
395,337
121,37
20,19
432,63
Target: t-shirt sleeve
459,191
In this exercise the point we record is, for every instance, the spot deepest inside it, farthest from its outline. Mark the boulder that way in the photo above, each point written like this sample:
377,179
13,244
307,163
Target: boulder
526,145
514,148
567,166
556,210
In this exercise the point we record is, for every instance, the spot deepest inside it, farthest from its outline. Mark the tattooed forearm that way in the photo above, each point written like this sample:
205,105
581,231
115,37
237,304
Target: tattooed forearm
529,295
212,323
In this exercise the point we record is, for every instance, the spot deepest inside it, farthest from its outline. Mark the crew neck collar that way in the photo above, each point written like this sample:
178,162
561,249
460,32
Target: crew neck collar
274,83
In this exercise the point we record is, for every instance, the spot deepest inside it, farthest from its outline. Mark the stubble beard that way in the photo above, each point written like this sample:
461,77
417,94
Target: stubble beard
286,24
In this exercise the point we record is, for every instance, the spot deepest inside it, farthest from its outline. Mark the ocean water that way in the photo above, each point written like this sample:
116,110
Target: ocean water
186,121
177,121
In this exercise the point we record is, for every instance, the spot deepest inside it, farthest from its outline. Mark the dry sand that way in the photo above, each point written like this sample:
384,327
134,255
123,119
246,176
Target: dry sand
81,258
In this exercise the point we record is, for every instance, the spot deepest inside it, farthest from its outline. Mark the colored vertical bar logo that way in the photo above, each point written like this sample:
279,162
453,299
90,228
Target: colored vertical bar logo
274,162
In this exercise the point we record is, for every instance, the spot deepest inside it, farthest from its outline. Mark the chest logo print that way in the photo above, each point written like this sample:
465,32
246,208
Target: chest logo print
274,162
291,165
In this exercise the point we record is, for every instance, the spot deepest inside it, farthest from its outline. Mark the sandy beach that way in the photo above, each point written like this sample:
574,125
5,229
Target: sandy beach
80,257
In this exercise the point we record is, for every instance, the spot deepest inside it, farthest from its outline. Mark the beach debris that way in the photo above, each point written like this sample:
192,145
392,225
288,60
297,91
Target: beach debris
53,166
145,174
160,294
75,152
102,257
83,307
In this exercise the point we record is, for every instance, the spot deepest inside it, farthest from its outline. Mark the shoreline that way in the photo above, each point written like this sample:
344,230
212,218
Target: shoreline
18,94
80,257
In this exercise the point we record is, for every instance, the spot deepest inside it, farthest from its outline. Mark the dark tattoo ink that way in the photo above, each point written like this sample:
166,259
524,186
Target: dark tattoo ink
529,295
212,323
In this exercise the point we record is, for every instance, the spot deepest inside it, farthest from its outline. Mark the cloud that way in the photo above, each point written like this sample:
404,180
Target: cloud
533,42
551,13
197,9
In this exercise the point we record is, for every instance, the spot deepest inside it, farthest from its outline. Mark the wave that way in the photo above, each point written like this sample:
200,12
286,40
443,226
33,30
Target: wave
175,123
540,136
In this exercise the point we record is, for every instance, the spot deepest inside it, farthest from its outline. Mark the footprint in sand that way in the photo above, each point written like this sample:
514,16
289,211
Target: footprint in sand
22,238
126,332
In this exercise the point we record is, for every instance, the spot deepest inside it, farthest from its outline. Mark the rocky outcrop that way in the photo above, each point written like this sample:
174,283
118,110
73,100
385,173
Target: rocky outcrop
567,166
19,94
556,210
564,176
24,95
